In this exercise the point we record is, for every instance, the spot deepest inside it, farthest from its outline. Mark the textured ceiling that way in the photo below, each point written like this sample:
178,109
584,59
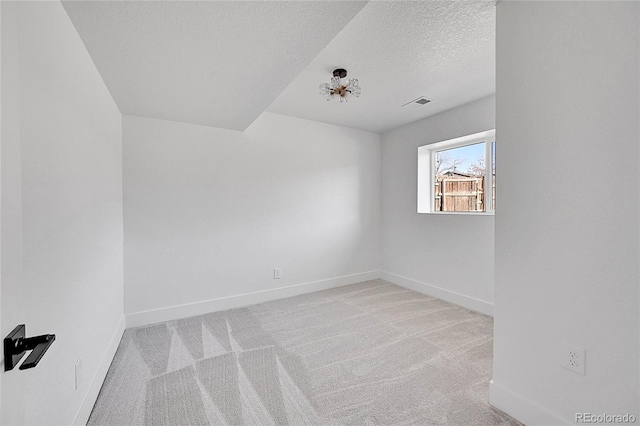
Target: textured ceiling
213,63
222,63
400,51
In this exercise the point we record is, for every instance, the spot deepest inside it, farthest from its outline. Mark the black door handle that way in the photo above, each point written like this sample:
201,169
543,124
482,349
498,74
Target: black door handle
16,344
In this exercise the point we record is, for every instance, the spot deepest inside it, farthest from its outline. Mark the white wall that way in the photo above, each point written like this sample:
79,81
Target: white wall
426,251
70,161
567,228
208,213
11,385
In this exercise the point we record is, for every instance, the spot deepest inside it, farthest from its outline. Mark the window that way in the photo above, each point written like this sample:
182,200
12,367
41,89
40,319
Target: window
453,175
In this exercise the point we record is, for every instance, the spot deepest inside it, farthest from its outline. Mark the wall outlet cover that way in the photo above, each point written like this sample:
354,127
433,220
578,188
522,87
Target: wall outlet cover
573,358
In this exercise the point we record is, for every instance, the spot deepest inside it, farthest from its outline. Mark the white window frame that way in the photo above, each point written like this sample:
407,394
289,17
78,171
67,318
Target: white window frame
426,168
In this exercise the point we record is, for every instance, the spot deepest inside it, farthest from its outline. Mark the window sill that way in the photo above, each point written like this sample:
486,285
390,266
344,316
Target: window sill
460,213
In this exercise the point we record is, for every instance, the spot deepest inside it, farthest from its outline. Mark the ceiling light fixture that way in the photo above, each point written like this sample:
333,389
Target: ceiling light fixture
335,89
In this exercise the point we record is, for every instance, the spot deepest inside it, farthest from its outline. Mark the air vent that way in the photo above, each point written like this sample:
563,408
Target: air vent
417,102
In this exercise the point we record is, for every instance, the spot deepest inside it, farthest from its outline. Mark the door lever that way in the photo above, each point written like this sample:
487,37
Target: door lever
16,344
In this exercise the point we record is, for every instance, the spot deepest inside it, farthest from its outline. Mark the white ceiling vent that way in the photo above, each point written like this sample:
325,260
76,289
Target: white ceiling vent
416,102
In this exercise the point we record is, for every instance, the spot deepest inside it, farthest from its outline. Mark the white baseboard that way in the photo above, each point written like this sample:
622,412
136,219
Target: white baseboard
441,293
139,319
522,409
94,388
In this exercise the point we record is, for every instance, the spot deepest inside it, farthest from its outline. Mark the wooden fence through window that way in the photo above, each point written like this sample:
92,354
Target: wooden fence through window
459,194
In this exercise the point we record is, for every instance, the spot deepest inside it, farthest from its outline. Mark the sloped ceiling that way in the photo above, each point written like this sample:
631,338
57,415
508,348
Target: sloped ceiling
399,51
214,63
222,63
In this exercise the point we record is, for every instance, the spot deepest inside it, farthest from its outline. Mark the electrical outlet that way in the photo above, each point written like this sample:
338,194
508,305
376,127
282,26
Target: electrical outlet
276,273
78,373
573,358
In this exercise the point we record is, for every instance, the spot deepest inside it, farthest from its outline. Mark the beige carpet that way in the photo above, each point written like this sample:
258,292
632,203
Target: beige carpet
364,354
